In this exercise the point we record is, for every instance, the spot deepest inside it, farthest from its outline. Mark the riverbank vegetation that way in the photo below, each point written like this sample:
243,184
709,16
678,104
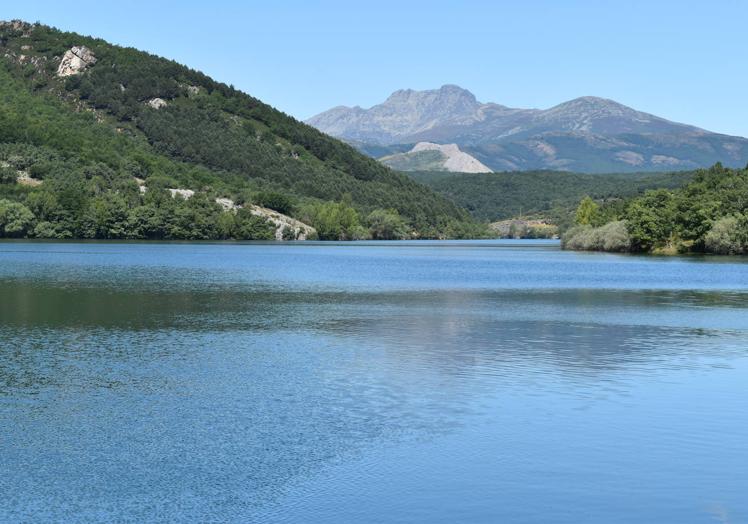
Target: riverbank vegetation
708,215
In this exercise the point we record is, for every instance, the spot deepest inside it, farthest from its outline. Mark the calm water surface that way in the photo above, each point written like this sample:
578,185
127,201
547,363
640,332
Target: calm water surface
382,382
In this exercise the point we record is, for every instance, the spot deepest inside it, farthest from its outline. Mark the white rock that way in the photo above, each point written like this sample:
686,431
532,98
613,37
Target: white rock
75,61
301,231
183,193
455,159
227,204
157,103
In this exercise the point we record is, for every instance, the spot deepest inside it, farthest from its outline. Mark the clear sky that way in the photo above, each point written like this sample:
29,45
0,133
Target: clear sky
683,60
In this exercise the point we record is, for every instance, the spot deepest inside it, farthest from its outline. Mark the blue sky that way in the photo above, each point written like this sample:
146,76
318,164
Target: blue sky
684,60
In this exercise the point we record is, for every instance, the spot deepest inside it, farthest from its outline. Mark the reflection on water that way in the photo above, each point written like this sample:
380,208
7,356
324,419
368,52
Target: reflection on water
402,382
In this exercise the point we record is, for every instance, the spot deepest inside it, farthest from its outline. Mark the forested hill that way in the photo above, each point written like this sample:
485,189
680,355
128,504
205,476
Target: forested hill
709,214
551,195
84,122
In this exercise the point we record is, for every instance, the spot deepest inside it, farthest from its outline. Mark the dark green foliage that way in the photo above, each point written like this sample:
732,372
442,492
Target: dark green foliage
275,201
387,224
708,214
89,136
549,194
8,175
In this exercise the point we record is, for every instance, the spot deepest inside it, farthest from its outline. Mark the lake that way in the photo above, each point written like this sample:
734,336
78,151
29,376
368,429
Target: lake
440,382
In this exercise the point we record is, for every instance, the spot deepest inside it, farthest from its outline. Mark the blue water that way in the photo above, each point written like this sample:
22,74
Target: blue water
503,381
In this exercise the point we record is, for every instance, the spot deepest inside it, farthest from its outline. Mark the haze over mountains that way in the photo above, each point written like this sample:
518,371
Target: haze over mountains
587,134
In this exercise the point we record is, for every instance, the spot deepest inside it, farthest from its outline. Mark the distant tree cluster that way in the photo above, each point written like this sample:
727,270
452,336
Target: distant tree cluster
710,214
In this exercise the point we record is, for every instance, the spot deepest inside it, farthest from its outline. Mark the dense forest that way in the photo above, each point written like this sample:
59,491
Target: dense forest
77,152
708,215
551,195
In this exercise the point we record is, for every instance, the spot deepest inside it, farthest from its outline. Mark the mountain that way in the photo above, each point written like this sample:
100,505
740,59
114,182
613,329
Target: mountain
91,133
427,156
587,134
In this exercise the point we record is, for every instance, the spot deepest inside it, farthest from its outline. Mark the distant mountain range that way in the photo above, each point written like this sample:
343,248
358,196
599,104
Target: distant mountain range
587,134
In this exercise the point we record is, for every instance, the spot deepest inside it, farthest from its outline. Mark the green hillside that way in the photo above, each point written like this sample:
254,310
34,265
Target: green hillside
80,143
547,194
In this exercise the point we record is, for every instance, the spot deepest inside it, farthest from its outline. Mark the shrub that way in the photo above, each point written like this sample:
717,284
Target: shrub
728,236
275,201
15,219
387,224
613,236
8,175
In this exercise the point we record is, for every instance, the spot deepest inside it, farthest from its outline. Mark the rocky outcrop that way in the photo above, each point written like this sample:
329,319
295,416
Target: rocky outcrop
157,103
75,61
286,228
186,194
427,156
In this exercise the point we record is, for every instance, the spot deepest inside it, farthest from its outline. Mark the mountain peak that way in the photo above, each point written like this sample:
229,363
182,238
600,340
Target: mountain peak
589,133
449,93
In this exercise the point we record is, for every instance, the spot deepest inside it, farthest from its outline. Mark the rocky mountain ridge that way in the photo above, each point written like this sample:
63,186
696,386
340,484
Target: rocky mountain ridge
588,134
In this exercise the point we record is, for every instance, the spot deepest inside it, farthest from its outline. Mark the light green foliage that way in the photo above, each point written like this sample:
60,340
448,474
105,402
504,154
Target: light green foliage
387,224
587,212
15,219
613,236
728,236
336,221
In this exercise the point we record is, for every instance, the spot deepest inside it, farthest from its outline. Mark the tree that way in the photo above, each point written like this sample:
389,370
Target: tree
651,220
587,212
336,221
387,224
15,219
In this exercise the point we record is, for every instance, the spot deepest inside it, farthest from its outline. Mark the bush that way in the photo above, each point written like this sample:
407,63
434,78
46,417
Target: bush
8,175
275,201
728,236
336,221
613,237
15,219
387,224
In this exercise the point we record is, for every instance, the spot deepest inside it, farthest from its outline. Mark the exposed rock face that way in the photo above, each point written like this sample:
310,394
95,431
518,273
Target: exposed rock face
427,156
182,193
75,61
227,204
286,228
293,229
589,133
157,103
456,160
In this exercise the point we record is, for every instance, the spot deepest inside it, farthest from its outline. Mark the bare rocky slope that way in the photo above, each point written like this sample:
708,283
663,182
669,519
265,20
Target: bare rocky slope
427,156
587,134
